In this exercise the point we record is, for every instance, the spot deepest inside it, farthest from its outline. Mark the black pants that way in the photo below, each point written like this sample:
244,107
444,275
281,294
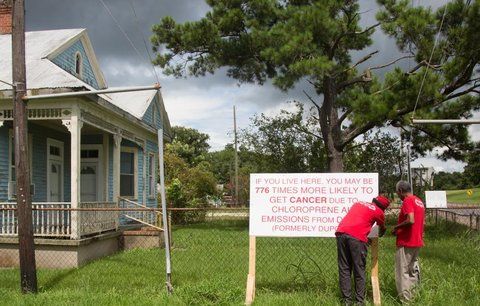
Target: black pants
352,257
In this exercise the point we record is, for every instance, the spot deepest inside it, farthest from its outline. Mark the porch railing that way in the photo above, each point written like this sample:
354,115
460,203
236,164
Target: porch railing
133,211
95,221
55,219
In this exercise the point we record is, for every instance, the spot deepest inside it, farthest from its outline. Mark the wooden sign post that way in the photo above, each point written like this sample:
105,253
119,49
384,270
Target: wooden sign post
250,295
375,280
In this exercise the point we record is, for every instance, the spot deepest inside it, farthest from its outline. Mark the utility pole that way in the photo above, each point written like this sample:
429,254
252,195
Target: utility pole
26,249
236,155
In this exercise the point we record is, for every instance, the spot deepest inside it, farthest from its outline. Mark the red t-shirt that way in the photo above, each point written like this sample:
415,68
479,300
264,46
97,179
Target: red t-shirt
359,220
411,236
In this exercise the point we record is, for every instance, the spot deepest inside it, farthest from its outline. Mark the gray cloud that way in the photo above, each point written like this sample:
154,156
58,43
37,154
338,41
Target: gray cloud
122,66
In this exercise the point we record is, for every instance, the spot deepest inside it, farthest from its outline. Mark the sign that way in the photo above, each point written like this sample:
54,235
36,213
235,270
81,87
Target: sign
436,199
305,204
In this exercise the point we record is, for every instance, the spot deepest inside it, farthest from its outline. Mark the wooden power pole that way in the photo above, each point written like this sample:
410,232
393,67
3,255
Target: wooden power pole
28,273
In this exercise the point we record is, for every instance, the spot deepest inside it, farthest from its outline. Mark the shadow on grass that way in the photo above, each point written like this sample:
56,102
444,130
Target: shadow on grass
60,275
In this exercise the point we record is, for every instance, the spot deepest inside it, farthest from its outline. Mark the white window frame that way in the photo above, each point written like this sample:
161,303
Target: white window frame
135,171
78,58
61,159
11,148
151,175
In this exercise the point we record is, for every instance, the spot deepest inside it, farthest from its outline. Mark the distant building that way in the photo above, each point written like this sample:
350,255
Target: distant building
423,176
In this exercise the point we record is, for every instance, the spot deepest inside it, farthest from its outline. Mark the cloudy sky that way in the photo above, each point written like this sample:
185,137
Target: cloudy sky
203,103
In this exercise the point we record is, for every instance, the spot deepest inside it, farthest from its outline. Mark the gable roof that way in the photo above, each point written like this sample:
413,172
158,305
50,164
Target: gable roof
43,46
40,47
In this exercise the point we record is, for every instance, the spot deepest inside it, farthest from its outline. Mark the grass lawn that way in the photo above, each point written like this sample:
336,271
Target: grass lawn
210,267
461,196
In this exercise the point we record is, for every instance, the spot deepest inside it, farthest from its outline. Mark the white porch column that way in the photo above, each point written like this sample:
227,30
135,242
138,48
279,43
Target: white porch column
74,126
117,141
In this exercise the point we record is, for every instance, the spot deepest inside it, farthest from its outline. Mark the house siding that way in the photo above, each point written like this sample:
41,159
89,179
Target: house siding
66,61
148,116
3,163
39,136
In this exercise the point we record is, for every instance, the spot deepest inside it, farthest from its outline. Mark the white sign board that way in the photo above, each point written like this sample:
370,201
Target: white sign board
305,204
436,199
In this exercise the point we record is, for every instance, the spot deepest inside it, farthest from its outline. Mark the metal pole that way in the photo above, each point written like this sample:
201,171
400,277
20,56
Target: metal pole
93,92
236,155
26,247
446,121
164,212
410,179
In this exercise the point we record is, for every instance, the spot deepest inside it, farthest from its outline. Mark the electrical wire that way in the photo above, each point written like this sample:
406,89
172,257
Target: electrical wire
144,40
126,35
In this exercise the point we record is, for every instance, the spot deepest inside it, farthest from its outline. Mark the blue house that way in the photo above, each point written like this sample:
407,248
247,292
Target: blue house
92,151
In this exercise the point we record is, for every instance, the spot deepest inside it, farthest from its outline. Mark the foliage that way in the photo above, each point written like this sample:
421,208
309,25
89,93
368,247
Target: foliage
189,183
379,153
189,144
286,142
311,42
448,181
471,172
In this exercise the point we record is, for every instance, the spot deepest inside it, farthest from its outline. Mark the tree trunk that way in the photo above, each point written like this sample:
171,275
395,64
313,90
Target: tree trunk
331,131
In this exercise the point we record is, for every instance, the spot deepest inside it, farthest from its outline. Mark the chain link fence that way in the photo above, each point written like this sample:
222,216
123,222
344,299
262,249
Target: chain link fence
126,242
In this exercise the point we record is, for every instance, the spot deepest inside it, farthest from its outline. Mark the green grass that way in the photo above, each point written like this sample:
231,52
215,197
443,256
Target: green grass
210,268
461,196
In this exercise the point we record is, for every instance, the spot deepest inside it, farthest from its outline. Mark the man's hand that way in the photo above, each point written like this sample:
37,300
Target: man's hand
382,231
394,231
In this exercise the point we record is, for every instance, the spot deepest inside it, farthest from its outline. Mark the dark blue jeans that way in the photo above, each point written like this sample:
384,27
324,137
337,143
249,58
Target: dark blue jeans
352,257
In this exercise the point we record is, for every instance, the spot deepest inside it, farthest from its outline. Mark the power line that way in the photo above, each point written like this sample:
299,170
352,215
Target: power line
144,40
124,33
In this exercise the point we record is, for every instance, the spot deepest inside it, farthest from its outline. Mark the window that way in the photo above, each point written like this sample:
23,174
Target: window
78,64
151,175
127,173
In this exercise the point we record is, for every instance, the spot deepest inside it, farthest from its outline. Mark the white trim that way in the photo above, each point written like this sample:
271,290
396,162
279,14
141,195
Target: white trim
100,167
135,170
60,159
106,158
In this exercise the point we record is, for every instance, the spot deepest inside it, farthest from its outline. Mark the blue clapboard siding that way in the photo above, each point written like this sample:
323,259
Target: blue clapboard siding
39,155
39,136
148,116
3,164
66,61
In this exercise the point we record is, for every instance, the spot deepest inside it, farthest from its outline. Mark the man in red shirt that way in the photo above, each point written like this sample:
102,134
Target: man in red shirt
352,245
409,232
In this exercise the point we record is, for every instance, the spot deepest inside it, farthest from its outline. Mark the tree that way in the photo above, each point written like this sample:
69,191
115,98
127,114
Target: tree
311,42
189,144
471,172
285,143
379,153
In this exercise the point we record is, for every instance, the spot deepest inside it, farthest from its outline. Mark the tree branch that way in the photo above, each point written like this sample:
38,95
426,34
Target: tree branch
364,78
313,101
392,62
363,59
